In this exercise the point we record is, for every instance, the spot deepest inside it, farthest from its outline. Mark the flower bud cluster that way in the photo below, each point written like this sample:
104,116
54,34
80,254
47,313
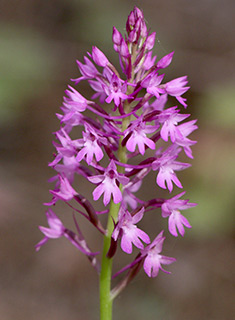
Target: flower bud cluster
127,137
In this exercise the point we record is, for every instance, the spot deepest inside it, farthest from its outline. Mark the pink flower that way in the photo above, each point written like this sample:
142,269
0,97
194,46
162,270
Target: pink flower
171,208
108,184
56,228
136,134
176,88
167,165
185,129
153,259
75,101
67,148
170,118
65,191
128,231
115,91
88,70
152,84
91,145
69,167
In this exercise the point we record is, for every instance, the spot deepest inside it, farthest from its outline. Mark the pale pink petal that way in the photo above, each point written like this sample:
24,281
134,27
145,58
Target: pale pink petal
107,196
172,225
117,195
143,236
96,179
81,154
98,192
126,244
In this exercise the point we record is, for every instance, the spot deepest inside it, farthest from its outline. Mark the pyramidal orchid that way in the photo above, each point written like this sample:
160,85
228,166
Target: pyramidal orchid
130,132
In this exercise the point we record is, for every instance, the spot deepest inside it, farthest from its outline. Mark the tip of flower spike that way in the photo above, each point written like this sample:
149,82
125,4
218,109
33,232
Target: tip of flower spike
138,12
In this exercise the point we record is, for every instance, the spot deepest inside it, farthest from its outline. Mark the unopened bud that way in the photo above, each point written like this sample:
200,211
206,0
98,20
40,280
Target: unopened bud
99,57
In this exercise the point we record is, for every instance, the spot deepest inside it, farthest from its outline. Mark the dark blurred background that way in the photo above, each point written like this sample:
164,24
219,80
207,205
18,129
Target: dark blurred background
39,44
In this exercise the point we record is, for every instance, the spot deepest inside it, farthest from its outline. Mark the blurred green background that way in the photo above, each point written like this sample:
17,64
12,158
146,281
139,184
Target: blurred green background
39,44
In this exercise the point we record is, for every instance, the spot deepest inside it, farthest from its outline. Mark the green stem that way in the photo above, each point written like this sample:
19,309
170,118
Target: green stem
106,267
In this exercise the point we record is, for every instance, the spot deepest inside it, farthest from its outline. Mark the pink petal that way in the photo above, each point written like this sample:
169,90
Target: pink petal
107,196
126,244
172,226
96,179
98,192
117,195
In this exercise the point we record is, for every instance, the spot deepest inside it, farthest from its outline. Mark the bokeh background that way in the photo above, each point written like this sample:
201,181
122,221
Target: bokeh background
39,44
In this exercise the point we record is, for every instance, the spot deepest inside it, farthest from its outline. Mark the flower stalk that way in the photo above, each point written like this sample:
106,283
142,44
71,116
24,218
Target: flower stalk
111,154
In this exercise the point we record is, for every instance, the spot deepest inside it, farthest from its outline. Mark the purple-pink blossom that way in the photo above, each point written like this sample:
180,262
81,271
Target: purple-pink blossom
64,191
176,88
128,231
166,166
185,129
152,84
75,101
57,230
88,70
116,91
136,136
107,184
153,260
91,145
171,209
169,119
